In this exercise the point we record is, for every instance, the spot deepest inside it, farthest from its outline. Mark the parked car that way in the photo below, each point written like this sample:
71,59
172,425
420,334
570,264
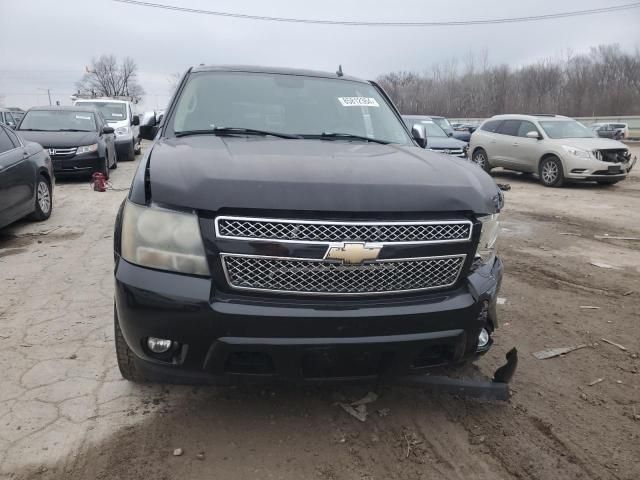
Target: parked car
286,224
557,148
119,114
607,130
78,139
26,179
624,127
444,124
437,139
9,118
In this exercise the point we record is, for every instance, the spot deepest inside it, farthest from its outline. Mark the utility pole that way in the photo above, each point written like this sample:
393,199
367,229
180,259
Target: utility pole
48,94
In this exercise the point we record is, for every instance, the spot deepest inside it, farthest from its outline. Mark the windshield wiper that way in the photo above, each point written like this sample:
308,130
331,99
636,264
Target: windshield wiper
32,130
235,131
334,135
70,130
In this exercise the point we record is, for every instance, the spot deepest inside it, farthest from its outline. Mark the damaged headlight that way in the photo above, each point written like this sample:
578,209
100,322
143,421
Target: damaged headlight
488,237
163,239
577,152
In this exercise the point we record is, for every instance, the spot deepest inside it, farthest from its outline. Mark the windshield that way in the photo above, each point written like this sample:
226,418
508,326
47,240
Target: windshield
111,111
57,120
444,124
565,129
431,128
287,104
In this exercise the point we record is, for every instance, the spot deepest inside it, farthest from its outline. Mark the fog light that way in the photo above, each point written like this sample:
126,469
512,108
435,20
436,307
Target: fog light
483,338
158,345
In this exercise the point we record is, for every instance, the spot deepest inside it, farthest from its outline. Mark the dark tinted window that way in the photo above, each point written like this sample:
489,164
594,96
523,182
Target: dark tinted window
526,127
5,142
510,127
491,125
13,137
292,104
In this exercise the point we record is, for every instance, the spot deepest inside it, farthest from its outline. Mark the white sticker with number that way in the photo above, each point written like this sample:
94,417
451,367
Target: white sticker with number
358,102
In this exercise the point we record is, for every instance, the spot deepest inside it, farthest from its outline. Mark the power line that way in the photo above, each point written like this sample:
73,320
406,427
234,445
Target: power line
531,18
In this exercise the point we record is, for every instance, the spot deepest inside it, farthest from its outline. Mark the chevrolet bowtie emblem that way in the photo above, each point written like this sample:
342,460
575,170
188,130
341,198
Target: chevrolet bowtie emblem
353,252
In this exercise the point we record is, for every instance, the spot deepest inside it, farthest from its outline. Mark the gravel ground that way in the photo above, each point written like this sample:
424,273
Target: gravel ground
66,414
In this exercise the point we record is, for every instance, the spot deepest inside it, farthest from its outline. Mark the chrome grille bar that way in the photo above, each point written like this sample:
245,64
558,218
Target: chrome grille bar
61,152
320,231
320,277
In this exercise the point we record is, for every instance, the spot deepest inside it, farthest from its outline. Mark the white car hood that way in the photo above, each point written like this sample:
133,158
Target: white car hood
118,123
590,143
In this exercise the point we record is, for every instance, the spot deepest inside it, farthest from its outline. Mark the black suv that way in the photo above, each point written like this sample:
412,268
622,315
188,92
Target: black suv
285,224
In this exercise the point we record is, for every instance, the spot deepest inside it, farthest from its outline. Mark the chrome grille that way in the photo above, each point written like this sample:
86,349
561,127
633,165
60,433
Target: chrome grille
61,152
319,277
327,231
449,151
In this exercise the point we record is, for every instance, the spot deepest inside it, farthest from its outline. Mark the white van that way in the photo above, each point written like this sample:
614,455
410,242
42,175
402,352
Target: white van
119,115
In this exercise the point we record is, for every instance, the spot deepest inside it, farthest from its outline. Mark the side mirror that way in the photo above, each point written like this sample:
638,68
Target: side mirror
533,134
449,134
135,120
11,125
148,126
419,134
108,130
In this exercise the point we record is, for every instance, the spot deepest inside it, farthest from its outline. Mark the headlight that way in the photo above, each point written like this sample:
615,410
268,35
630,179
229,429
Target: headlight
163,239
488,237
122,130
577,152
87,149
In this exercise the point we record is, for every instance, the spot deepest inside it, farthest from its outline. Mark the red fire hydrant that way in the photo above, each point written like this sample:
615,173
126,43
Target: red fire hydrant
99,183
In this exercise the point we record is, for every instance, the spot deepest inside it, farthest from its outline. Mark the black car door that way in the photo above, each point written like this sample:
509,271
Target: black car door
17,179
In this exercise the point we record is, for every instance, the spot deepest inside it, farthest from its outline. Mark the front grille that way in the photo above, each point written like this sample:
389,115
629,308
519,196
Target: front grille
310,276
615,155
449,151
61,152
327,231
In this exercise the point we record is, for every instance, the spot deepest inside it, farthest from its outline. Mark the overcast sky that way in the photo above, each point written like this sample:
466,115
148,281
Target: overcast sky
46,44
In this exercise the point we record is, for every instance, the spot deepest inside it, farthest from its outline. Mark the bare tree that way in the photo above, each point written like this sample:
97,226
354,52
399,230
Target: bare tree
106,78
605,81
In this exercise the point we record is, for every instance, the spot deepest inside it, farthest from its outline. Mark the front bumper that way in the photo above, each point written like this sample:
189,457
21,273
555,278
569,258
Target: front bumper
83,164
593,170
228,337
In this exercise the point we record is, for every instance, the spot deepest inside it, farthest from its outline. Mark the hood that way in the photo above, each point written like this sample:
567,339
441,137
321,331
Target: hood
590,143
60,139
119,123
445,142
213,173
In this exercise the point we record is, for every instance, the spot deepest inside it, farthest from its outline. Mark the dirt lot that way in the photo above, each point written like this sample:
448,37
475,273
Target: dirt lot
66,414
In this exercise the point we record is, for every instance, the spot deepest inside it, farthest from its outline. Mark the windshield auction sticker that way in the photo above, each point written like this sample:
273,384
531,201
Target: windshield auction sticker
358,102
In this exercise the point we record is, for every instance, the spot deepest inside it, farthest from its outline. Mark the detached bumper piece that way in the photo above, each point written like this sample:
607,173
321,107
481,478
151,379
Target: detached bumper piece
486,389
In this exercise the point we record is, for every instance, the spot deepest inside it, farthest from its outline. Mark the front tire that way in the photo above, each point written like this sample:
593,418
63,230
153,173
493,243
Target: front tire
551,172
481,159
131,152
44,200
104,169
126,358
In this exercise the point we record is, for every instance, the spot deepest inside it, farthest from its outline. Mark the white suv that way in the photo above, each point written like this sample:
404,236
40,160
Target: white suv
557,148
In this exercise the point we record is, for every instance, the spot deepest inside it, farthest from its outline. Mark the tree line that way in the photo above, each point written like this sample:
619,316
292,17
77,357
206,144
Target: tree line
605,81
